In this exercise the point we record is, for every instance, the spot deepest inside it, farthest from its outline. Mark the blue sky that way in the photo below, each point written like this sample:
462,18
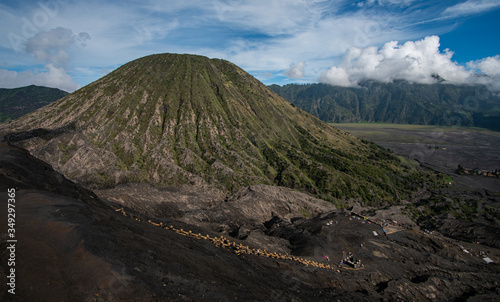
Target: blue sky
68,44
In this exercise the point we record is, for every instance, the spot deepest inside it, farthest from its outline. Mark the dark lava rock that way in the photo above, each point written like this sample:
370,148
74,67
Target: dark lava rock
73,246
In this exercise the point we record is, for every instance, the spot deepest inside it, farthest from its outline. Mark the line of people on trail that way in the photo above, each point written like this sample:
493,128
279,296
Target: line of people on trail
239,249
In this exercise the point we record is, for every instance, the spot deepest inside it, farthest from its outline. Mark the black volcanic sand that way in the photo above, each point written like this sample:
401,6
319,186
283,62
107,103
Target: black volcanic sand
447,158
75,247
441,148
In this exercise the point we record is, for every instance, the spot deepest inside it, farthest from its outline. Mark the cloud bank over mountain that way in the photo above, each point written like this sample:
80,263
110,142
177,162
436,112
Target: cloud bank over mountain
49,48
415,61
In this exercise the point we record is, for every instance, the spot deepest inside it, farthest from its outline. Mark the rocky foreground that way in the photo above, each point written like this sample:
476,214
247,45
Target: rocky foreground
75,246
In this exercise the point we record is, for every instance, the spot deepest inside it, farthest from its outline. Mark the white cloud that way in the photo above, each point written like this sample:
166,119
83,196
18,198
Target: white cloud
316,45
50,46
490,67
396,2
417,62
52,77
272,17
470,7
337,76
295,71
384,2
413,61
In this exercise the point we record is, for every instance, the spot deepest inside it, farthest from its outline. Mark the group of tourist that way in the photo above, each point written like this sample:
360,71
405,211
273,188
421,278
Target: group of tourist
239,249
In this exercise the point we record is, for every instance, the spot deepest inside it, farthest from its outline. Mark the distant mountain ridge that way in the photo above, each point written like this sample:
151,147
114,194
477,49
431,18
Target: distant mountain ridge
183,119
399,102
17,102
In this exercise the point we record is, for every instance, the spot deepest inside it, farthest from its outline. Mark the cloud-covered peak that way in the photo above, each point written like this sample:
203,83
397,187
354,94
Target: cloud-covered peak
490,67
415,61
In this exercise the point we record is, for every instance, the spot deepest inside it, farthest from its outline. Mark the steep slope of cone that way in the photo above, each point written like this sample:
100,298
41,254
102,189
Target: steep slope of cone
173,119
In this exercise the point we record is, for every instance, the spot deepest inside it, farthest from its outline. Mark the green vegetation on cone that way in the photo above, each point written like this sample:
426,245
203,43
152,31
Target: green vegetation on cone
172,119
